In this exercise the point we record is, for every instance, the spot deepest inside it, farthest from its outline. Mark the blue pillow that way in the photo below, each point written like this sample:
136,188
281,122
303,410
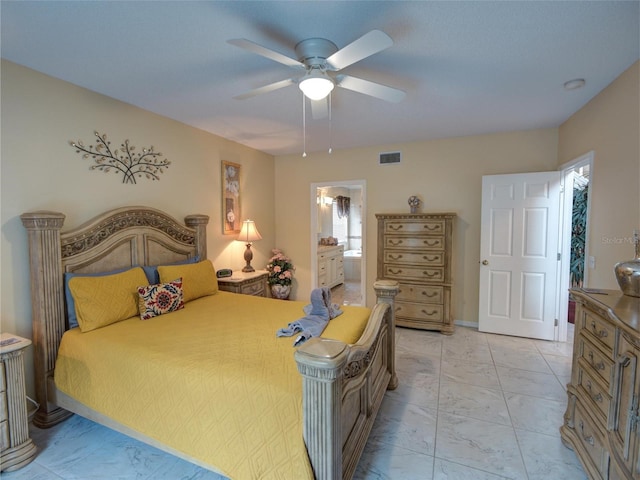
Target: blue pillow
150,271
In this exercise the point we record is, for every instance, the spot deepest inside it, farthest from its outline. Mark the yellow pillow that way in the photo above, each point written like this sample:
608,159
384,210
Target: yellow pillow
198,279
101,301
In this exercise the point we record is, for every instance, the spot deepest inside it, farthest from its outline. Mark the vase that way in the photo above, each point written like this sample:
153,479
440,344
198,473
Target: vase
280,292
628,273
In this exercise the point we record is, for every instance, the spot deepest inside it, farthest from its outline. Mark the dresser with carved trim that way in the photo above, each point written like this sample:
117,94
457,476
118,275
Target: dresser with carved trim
415,250
602,420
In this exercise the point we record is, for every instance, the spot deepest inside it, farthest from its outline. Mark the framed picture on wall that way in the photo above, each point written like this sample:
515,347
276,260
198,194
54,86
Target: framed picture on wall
231,218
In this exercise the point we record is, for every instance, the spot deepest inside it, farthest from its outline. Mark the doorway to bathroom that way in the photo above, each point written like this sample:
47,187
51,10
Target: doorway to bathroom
338,210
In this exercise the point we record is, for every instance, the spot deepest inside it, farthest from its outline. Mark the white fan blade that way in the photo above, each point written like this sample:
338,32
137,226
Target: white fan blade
373,89
265,52
267,88
370,43
319,109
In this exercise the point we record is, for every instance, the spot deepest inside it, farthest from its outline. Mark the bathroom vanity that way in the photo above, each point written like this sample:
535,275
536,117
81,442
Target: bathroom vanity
330,265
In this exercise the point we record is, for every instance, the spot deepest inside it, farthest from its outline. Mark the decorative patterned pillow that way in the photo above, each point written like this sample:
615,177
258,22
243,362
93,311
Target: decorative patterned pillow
160,298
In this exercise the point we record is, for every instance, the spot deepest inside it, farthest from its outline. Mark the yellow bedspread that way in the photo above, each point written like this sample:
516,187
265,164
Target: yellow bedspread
212,380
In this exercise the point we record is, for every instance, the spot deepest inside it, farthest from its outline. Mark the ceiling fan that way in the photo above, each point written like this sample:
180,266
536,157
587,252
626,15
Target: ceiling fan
320,59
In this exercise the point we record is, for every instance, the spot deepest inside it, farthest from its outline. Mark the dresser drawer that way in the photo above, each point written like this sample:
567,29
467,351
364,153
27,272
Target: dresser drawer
419,311
591,440
419,227
434,274
256,289
602,331
420,294
414,258
411,243
600,364
596,393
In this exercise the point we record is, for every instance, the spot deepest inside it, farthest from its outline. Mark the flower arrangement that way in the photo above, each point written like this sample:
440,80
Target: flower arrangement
280,268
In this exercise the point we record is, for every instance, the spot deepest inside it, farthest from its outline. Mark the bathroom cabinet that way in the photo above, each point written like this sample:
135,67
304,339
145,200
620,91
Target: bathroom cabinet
330,266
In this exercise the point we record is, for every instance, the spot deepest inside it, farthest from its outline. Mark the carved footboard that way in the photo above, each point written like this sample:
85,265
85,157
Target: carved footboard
343,387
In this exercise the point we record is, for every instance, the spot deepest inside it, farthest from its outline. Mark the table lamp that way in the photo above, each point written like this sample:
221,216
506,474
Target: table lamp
249,233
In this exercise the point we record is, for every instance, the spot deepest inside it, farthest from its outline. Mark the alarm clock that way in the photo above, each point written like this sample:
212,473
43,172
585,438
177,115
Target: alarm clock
224,272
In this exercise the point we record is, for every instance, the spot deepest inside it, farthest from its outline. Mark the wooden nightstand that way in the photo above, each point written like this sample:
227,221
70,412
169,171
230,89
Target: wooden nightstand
247,283
16,448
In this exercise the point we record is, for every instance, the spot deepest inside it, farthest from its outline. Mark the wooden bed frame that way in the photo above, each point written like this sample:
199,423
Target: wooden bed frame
343,385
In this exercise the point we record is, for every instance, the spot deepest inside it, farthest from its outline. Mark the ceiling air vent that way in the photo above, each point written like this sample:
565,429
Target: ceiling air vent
389,158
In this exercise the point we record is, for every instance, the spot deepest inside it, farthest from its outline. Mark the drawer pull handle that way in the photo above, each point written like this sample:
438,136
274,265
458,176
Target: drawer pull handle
430,275
395,272
601,333
597,366
432,227
395,243
429,295
395,257
430,259
393,227
597,397
430,243
588,439
432,312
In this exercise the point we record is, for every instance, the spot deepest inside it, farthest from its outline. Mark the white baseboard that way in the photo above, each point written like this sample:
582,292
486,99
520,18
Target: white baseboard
466,323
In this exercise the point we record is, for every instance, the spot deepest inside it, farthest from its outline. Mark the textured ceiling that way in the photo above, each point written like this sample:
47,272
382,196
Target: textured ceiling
467,67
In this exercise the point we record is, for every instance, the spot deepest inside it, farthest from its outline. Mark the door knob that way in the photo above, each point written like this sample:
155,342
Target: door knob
485,262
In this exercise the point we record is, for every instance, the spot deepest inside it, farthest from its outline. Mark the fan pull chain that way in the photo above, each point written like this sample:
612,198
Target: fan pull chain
330,127
304,128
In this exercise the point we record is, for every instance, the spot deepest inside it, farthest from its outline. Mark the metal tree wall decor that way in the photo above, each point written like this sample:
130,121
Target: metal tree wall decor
124,160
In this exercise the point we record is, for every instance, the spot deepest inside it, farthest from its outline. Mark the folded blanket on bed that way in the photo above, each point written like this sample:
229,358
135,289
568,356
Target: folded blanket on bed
334,308
312,324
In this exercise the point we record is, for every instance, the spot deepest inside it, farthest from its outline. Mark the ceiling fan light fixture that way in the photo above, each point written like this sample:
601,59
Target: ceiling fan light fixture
316,85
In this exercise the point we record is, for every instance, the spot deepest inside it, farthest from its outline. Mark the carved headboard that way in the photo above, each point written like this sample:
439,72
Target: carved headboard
120,238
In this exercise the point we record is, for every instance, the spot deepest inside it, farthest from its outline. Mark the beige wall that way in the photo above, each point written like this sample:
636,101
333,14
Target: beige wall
446,174
40,170
609,125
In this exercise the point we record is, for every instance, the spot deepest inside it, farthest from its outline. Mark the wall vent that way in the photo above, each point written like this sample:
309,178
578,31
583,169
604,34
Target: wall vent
389,158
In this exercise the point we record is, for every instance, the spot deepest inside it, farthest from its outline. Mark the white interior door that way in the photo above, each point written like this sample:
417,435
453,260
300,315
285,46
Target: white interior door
519,254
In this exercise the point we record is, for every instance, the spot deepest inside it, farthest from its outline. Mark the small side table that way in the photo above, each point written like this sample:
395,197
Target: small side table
16,448
246,283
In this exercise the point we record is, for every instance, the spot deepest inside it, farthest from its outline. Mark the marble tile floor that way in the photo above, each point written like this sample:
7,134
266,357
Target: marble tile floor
470,406
347,293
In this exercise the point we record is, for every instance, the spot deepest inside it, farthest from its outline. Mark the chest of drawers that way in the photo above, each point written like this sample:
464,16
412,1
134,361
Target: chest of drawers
16,448
415,250
246,283
602,420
